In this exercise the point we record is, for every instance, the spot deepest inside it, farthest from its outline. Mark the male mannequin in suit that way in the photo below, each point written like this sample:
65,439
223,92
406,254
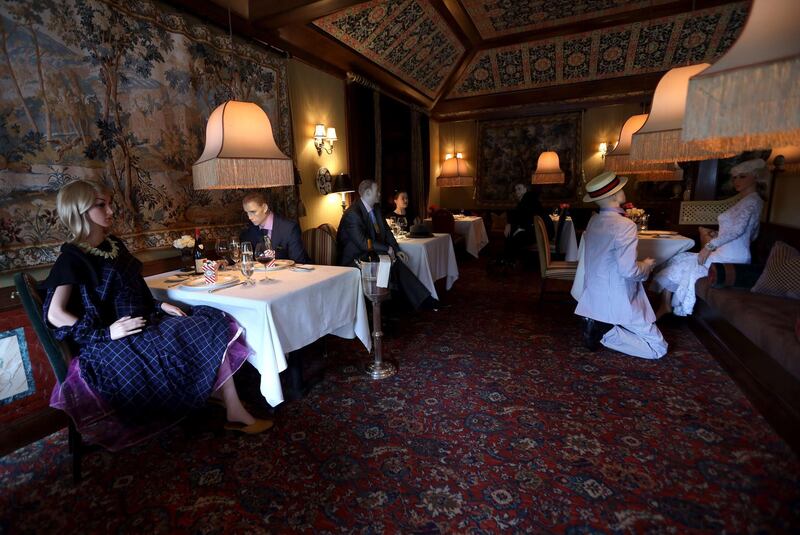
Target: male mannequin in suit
613,299
364,220
284,233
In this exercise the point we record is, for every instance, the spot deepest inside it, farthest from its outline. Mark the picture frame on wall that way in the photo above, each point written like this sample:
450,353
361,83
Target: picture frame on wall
508,151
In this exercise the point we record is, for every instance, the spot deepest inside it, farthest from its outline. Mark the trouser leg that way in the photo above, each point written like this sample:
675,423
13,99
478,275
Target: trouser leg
638,340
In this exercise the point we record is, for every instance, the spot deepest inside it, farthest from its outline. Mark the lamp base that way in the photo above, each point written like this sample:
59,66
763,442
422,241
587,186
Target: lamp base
380,370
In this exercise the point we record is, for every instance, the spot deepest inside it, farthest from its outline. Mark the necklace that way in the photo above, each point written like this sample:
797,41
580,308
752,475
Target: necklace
112,254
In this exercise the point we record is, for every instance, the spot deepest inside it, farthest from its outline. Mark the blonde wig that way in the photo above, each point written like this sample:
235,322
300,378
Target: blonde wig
74,201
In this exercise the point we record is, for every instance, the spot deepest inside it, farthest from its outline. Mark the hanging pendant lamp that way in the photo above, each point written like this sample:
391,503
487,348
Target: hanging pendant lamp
659,139
548,169
619,161
750,98
240,151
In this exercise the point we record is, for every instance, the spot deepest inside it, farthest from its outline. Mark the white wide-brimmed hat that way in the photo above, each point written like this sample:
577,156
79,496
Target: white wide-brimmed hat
604,185
754,166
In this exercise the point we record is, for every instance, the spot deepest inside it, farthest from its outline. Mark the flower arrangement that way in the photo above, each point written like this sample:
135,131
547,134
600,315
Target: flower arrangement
431,209
637,215
564,206
184,242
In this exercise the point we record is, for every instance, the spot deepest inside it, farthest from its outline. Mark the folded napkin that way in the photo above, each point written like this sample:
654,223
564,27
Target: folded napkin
383,271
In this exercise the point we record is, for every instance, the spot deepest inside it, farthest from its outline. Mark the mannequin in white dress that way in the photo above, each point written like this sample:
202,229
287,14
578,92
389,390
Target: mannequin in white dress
738,226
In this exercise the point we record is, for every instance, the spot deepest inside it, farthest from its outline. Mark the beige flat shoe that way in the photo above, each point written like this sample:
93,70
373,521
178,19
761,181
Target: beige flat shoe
259,426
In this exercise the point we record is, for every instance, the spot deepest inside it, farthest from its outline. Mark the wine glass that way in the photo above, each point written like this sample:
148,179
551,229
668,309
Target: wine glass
235,250
221,247
247,266
265,254
402,223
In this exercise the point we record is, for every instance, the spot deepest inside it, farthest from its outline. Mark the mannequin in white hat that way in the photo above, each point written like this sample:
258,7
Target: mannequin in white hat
738,226
612,288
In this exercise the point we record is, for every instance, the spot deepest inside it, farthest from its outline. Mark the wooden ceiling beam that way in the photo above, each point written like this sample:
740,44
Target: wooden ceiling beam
627,17
459,21
318,49
272,14
611,91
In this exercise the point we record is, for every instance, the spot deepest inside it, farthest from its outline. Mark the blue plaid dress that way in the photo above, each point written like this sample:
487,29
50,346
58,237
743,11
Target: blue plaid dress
167,368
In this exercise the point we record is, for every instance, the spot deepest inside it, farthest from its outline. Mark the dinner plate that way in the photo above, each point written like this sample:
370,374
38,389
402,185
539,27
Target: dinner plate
658,232
280,264
199,283
178,278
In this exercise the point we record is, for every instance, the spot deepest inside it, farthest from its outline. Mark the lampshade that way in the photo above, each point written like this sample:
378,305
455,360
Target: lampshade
319,131
750,98
619,161
791,159
548,170
240,151
330,135
659,139
674,173
454,173
342,184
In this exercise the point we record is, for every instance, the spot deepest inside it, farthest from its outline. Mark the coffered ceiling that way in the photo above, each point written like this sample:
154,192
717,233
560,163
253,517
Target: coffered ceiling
457,57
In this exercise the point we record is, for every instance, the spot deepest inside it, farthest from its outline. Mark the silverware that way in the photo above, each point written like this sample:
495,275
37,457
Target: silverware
225,287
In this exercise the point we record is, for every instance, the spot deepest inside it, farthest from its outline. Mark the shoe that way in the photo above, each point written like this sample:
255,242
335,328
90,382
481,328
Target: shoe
438,305
593,332
259,426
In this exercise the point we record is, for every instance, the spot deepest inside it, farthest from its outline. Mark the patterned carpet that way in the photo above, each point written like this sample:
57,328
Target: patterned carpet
497,421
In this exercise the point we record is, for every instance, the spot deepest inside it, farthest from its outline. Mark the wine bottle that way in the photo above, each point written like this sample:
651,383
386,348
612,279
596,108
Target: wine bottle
370,255
199,252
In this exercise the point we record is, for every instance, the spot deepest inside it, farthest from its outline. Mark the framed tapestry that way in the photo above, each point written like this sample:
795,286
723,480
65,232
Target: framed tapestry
508,150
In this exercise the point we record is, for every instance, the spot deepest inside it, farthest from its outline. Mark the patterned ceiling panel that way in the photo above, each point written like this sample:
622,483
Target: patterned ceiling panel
495,18
625,50
405,37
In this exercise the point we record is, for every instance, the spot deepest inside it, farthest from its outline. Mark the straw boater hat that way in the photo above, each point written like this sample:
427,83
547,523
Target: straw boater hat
604,185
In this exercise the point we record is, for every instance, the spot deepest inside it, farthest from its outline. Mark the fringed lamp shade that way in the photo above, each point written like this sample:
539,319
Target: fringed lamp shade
240,151
454,173
619,161
750,98
675,174
548,169
659,139
790,161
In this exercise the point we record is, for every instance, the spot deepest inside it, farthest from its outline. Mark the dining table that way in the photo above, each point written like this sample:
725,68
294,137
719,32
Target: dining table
568,242
472,228
293,309
660,245
431,259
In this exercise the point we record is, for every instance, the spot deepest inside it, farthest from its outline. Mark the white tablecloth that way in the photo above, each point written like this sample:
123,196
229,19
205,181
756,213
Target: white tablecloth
431,259
661,248
569,243
291,312
473,230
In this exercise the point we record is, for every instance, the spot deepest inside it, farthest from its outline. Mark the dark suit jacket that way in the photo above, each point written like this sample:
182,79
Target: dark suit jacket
286,239
354,229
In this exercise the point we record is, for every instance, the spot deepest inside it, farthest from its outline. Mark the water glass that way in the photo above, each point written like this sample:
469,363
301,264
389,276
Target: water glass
247,266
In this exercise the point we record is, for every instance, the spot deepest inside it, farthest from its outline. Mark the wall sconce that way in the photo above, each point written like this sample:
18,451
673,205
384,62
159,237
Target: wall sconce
603,149
323,139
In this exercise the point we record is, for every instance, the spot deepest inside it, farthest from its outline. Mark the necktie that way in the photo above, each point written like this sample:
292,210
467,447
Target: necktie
374,222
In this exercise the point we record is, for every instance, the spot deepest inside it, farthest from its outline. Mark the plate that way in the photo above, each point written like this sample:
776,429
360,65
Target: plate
199,283
658,232
280,264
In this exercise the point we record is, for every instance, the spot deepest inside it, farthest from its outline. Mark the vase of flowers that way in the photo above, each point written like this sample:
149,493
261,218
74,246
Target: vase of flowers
185,244
637,215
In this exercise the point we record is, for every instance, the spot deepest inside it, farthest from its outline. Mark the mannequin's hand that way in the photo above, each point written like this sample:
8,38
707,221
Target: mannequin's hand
702,256
125,326
172,310
649,264
402,256
507,230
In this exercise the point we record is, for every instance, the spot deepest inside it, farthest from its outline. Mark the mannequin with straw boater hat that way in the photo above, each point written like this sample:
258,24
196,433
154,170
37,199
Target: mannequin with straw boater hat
613,301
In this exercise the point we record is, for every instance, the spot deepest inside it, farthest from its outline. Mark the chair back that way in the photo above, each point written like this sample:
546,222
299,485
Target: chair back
443,221
330,229
58,353
542,243
704,212
321,246
562,219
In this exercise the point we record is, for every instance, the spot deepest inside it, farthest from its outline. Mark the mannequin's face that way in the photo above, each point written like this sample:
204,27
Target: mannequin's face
371,195
519,191
401,202
256,213
101,213
743,181
620,196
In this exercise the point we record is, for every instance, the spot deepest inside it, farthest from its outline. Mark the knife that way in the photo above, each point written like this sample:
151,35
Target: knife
225,287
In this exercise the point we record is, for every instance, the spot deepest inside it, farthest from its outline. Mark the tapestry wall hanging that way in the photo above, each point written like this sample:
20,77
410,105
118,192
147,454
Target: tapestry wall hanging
120,92
508,150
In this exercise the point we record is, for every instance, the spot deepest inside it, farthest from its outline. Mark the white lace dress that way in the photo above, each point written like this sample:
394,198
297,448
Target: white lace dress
738,226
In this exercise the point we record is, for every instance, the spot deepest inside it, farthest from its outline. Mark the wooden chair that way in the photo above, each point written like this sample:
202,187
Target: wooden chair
320,246
443,222
549,268
58,353
330,229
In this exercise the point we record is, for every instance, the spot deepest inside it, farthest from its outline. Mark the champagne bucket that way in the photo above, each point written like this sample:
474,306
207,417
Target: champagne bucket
369,281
